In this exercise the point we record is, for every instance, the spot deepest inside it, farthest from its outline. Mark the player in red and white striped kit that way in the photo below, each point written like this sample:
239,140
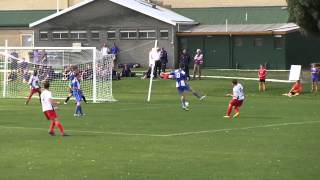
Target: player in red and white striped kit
48,110
237,99
34,86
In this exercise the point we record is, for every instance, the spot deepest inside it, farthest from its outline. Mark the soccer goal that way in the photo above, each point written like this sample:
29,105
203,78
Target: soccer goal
53,64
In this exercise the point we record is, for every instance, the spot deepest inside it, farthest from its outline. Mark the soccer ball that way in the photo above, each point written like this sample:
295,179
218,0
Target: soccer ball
187,104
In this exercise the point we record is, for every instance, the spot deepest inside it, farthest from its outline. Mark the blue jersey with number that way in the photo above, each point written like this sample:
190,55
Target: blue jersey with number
75,85
314,73
71,75
180,77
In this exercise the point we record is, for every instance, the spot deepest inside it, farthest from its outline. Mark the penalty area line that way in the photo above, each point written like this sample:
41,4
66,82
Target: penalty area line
173,134
243,128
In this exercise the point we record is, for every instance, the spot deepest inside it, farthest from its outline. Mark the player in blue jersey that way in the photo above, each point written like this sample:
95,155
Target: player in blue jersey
76,92
314,78
182,86
71,76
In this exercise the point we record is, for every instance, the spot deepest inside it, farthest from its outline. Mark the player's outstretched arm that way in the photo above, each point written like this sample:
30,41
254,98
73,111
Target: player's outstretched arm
53,102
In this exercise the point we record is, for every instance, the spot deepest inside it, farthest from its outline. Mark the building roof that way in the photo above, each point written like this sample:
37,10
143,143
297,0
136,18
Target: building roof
21,18
240,29
141,6
236,15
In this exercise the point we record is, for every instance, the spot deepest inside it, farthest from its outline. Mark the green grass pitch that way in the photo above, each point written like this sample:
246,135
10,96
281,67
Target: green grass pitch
276,137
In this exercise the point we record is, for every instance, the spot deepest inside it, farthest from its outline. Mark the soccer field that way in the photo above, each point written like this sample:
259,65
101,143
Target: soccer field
275,137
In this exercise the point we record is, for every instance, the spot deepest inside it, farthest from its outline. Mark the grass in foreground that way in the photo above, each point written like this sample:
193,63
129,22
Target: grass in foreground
275,137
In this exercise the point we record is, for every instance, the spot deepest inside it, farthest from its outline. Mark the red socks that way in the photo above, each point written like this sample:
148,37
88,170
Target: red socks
58,124
51,129
229,110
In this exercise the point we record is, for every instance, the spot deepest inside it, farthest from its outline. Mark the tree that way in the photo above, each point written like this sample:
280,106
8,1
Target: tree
305,13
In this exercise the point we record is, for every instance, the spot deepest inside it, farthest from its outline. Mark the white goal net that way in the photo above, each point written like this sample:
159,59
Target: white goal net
53,64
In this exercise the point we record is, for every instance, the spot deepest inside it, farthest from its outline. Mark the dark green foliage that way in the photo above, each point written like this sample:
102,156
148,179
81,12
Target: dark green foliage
306,13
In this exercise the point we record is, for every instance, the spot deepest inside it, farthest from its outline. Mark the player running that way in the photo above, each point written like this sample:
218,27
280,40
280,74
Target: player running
237,99
76,92
182,86
262,72
34,86
48,110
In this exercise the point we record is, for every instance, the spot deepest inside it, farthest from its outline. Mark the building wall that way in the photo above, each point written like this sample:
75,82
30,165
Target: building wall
222,51
302,49
257,50
14,36
104,16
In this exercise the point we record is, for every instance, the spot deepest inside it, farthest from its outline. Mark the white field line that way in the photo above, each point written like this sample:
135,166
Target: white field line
244,78
241,78
173,134
248,70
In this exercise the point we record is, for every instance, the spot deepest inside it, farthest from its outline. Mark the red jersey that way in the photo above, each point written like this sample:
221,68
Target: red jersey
297,88
262,73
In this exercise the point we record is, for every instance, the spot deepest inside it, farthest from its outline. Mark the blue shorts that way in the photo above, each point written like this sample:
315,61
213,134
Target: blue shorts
314,79
77,96
181,89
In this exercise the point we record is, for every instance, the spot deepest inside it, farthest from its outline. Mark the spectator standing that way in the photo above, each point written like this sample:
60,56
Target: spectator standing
156,56
23,66
198,61
14,61
105,49
185,61
163,60
36,56
115,50
43,57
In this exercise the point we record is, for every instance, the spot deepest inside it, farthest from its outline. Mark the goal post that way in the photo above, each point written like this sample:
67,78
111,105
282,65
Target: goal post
53,64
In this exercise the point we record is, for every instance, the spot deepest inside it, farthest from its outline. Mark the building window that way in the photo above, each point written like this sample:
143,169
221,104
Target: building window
60,34
258,42
128,34
95,34
44,35
147,34
164,34
238,42
26,40
278,42
111,34
78,34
